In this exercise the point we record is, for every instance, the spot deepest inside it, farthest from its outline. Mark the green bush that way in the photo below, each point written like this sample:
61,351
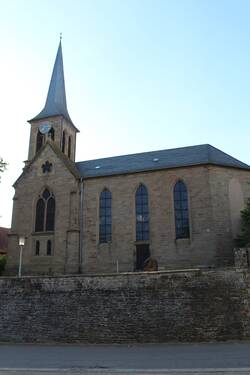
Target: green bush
3,260
244,239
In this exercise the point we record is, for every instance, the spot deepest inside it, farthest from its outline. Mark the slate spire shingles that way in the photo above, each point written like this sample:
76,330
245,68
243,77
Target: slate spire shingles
56,103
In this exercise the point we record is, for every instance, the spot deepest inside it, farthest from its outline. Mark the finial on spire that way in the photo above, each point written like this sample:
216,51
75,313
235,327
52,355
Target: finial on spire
60,37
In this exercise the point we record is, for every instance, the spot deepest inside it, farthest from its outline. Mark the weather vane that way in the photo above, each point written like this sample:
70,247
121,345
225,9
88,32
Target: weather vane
60,36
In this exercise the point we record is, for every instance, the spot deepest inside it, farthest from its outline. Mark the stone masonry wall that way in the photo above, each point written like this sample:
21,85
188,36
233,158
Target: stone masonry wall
122,308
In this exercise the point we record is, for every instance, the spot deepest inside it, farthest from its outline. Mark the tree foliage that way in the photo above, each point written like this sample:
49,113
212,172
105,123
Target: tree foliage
244,238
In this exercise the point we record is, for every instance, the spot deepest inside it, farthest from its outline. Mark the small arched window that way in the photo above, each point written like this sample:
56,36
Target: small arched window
181,210
49,248
45,212
69,147
37,248
39,140
105,216
63,141
142,214
52,134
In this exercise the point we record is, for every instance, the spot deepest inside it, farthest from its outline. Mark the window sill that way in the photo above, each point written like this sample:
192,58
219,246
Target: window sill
183,241
143,242
48,233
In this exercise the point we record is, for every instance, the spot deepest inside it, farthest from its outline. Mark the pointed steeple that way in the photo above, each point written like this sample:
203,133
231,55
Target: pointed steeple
56,103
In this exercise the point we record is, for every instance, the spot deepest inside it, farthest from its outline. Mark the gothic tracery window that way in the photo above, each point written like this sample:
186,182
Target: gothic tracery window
105,217
142,214
181,210
45,212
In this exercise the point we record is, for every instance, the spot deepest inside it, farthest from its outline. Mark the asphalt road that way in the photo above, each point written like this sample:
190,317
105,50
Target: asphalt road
114,359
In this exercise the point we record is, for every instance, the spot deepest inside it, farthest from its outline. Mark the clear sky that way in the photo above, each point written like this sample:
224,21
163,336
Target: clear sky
140,75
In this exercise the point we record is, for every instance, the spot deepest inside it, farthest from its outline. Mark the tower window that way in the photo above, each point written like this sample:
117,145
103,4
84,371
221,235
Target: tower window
105,217
69,147
63,141
39,140
52,134
45,212
181,210
142,214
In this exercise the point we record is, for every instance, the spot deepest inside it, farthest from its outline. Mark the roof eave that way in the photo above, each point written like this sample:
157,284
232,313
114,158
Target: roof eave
163,168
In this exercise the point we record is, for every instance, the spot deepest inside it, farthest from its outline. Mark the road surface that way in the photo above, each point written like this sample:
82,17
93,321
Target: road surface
207,358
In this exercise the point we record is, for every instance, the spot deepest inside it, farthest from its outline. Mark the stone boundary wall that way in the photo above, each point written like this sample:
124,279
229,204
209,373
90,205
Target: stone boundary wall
124,308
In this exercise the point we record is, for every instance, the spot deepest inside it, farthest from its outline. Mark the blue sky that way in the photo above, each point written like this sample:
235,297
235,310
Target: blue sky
140,75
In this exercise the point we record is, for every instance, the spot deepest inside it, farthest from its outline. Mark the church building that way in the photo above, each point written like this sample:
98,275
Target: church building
180,207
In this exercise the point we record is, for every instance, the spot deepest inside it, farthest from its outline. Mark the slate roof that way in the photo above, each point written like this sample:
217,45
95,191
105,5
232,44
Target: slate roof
56,103
156,160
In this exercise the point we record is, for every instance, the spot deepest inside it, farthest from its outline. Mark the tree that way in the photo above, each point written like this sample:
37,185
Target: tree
244,238
3,166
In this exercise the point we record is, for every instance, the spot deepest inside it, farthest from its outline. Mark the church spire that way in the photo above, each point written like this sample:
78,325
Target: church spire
56,103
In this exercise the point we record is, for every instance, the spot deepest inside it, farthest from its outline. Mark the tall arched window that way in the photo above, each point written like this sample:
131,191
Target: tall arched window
69,147
45,212
39,140
105,216
142,214
181,210
63,141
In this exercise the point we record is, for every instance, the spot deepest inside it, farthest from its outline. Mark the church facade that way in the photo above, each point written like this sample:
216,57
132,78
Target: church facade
179,206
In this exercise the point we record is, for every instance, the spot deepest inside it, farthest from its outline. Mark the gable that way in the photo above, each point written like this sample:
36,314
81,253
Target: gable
48,161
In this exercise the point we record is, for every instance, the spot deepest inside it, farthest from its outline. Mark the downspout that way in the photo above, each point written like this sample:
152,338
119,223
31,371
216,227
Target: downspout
81,227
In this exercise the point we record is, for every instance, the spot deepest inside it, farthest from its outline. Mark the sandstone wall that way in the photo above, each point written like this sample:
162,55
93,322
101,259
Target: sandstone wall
122,308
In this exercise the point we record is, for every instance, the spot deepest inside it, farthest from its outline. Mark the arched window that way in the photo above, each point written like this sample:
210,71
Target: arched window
142,214
52,134
181,210
69,147
45,212
40,209
63,141
39,140
105,217
49,247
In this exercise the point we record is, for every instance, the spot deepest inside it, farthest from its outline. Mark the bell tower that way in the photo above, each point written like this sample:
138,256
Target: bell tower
54,122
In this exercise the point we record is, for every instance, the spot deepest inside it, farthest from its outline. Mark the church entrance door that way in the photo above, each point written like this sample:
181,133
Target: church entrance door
142,253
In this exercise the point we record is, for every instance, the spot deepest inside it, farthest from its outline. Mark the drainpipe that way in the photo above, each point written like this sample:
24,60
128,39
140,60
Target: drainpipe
81,227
